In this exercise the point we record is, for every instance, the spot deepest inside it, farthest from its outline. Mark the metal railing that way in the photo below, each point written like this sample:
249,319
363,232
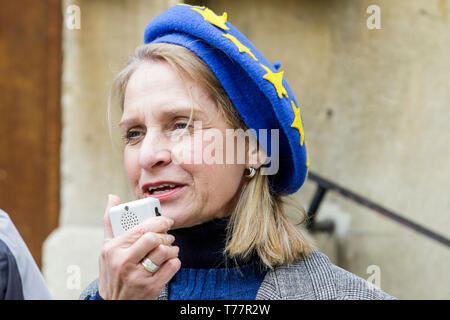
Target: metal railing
327,225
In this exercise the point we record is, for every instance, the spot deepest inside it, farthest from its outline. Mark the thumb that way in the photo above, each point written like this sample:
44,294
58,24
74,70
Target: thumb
113,200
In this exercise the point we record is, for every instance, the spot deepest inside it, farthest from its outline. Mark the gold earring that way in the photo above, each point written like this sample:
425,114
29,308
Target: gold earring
252,173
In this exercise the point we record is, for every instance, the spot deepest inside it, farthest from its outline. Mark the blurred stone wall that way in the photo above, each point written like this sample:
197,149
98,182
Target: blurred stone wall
375,111
91,165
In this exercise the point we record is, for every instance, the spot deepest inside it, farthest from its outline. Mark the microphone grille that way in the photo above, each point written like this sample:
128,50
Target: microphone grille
128,220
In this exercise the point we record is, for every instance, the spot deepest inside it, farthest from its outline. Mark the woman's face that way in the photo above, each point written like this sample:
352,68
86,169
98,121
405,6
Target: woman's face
159,163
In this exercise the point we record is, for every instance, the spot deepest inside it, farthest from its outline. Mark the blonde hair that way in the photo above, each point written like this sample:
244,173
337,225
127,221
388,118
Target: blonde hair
260,223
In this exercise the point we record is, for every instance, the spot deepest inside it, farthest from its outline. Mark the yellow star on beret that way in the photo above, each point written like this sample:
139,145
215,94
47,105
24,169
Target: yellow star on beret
297,124
211,17
277,80
239,45
307,156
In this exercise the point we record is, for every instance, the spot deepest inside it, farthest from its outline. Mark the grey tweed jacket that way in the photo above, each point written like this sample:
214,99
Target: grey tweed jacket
312,278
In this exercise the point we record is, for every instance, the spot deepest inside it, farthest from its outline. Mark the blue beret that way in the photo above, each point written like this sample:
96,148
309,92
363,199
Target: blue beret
257,90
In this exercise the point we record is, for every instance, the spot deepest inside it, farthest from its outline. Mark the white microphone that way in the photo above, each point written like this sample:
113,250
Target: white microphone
125,216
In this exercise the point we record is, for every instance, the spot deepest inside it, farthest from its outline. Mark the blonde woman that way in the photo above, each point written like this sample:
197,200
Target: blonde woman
189,97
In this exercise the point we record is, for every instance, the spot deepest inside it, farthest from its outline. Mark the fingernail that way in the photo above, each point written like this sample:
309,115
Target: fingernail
170,238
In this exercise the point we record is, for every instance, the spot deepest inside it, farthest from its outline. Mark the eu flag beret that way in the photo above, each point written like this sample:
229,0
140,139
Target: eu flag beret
258,91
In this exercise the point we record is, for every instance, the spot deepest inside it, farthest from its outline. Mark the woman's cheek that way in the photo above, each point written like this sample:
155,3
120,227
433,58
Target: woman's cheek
130,160
187,150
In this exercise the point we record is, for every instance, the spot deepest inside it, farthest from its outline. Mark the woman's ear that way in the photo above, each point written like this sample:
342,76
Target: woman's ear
256,156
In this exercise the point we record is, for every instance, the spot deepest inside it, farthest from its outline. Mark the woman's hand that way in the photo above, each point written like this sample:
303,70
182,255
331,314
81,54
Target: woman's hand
122,275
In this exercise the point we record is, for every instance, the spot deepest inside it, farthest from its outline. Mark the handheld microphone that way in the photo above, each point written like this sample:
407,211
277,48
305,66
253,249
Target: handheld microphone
125,216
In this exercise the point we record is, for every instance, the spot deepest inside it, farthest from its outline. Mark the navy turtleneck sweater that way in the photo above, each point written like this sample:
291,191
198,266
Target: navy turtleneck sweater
206,274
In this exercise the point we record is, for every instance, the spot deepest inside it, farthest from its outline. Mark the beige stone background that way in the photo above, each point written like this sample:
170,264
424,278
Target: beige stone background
375,105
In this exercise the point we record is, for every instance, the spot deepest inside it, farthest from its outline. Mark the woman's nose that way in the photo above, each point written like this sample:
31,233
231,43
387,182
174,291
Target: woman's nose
154,151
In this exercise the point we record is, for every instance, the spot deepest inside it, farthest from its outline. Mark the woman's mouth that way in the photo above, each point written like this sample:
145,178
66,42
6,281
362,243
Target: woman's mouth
161,190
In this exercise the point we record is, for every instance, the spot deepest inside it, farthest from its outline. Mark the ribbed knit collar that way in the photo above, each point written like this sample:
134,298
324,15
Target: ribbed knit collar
202,246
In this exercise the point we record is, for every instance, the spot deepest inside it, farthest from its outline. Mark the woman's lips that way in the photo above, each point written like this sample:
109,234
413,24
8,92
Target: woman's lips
165,195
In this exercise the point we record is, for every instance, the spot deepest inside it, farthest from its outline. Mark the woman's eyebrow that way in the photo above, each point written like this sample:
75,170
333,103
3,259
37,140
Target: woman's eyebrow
128,122
181,111
170,112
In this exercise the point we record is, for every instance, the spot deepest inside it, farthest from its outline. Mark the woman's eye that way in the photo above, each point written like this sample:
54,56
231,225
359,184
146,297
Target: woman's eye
131,136
181,125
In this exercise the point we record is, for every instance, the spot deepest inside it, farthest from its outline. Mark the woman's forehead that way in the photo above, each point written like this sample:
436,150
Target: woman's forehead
157,88
152,78
156,79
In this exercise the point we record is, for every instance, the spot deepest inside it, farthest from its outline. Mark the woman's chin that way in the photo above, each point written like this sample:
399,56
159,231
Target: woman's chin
179,214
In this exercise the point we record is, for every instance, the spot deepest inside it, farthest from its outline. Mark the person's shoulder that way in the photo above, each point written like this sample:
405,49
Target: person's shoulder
8,231
3,214
5,220
315,277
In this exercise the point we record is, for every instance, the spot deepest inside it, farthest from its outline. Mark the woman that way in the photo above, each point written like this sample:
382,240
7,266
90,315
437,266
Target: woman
187,97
